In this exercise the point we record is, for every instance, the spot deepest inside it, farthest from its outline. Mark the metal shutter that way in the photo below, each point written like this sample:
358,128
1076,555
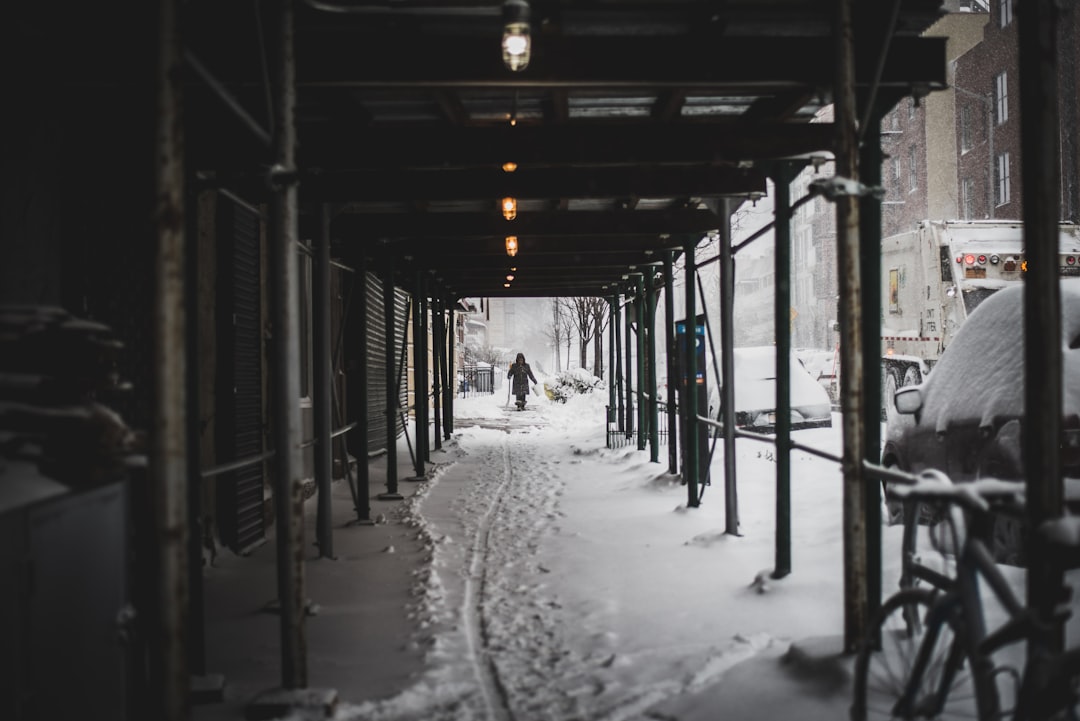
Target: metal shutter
239,396
376,365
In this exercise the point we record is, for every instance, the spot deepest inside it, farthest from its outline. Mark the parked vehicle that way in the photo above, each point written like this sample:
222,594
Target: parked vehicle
823,365
966,418
934,276
755,393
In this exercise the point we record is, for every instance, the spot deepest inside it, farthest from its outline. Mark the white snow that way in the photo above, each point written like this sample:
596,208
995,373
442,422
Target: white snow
571,581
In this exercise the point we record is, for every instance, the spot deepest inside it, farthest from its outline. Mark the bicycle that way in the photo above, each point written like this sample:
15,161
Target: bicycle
929,655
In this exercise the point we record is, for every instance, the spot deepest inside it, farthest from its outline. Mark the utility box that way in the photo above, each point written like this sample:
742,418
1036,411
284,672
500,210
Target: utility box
701,387
62,595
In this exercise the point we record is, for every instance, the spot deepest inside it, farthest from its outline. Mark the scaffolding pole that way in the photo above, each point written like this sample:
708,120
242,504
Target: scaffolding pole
1037,23
168,460
851,350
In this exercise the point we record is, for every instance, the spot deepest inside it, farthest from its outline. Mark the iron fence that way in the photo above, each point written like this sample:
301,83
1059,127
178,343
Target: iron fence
476,380
621,437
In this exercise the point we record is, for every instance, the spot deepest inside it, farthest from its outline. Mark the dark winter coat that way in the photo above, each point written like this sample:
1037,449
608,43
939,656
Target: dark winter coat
521,373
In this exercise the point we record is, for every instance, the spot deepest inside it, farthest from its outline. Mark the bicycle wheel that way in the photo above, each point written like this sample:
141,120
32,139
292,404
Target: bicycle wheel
945,689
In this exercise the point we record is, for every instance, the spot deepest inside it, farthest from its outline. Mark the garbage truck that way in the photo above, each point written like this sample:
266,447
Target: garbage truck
934,276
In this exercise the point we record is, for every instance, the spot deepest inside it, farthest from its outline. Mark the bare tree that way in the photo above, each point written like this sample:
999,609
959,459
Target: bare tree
580,312
554,331
600,316
566,323
484,354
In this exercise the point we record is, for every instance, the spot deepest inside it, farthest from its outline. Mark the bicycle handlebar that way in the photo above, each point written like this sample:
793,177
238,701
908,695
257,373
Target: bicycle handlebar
975,496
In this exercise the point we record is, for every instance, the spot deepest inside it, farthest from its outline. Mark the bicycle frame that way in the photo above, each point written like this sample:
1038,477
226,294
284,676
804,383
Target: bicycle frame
960,602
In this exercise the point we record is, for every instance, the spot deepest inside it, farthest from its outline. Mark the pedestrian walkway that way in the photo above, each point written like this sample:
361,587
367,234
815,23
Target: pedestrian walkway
360,634
535,575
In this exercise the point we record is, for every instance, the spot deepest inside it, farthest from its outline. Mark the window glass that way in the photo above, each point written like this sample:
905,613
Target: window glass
1003,189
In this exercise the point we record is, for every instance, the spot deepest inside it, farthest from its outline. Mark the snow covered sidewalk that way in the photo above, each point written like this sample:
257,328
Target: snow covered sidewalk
538,576
569,581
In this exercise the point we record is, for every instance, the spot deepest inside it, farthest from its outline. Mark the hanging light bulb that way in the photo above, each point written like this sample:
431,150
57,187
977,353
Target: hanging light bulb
509,276
516,43
511,245
509,166
509,208
506,285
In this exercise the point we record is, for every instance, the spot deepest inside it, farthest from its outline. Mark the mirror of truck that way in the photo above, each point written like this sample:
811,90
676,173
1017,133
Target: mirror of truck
908,399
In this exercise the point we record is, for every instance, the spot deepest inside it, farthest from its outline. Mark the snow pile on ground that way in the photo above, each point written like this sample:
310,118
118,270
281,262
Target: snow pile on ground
574,382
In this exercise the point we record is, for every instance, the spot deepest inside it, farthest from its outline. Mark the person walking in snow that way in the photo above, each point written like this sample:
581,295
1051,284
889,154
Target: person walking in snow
520,372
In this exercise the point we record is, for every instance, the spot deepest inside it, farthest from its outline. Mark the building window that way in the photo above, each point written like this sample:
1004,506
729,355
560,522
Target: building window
965,198
911,109
1005,12
965,128
894,120
896,170
912,168
1003,191
1001,98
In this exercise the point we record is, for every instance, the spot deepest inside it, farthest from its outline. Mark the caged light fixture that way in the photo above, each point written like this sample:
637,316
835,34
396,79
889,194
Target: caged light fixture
511,245
516,43
509,207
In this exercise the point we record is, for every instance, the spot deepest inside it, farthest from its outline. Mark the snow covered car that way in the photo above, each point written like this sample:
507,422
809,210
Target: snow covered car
823,366
965,417
755,393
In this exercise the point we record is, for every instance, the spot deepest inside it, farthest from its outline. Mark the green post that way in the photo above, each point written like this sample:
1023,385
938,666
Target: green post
782,328
613,304
628,332
690,452
870,160
672,367
617,323
639,307
654,430
450,387
727,369
437,361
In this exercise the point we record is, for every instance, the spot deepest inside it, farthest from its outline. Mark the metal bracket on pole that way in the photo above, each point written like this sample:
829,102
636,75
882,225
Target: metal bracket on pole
840,187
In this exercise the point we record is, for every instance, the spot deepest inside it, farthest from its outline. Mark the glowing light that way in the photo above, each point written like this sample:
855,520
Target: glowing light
516,41
509,208
511,245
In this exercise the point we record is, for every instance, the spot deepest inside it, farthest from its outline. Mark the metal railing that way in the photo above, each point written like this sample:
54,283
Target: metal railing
475,380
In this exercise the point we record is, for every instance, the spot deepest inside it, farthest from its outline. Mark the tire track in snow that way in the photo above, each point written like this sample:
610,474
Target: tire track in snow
516,630
477,635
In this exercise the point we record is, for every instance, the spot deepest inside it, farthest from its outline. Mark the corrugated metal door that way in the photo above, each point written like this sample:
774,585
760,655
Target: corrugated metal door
239,398
375,362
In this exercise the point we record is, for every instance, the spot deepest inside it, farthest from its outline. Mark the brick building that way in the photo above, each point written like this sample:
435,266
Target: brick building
918,139
989,122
